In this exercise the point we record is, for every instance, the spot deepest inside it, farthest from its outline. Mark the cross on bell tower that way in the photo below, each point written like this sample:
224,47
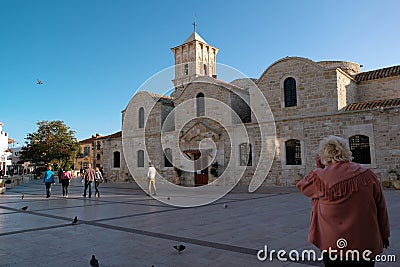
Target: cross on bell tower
194,25
194,58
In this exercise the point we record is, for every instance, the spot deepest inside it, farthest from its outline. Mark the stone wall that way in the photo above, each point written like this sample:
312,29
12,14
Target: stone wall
347,89
315,87
383,131
379,89
112,174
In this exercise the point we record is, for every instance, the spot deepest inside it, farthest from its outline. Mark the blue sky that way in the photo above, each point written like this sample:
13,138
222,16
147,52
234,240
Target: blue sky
93,55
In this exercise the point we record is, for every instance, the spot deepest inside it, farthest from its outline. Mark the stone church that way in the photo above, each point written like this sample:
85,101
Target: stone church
216,131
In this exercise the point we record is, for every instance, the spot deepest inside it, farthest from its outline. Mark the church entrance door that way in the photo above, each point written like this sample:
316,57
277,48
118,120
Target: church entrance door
200,172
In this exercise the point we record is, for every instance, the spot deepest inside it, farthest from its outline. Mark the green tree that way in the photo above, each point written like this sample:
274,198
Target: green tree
52,143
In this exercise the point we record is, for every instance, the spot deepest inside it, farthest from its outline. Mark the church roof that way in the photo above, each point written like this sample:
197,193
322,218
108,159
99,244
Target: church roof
194,37
158,96
374,104
378,74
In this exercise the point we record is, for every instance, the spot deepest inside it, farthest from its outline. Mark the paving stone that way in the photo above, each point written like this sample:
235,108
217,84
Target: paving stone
124,227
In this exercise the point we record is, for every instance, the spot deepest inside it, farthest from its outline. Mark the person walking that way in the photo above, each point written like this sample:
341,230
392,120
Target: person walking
349,211
102,173
89,176
59,174
151,177
97,182
65,178
48,179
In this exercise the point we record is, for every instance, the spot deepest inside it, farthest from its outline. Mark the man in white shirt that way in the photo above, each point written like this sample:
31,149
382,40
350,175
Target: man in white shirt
151,176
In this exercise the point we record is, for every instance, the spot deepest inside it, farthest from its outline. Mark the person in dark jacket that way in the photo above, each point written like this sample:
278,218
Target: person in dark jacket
59,174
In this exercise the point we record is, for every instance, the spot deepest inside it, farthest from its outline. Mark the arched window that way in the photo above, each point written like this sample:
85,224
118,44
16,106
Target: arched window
200,104
245,154
117,159
289,87
141,117
293,152
168,158
359,146
98,157
140,158
205,68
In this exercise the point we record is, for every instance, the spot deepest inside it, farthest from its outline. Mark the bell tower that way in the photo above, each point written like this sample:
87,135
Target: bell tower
194,58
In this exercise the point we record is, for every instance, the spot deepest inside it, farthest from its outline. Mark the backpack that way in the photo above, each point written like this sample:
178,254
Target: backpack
99,177
65,176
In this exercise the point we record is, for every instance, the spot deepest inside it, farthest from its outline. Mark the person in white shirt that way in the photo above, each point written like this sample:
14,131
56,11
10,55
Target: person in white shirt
151,177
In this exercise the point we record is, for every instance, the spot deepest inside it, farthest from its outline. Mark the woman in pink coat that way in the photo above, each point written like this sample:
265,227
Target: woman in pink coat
349,215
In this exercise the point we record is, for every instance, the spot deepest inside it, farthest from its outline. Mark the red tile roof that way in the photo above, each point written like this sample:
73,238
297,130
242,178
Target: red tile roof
378,74
374,104
87,141
114,135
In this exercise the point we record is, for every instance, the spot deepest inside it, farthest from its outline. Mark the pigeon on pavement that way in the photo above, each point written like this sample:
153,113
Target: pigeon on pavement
94,262
179,247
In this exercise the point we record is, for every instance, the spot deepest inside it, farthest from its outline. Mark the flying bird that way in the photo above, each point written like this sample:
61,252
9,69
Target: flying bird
94,262
179,248
75,221
39,82
24,208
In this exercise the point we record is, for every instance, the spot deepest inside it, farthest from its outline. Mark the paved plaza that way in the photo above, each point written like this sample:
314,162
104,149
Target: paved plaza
124,227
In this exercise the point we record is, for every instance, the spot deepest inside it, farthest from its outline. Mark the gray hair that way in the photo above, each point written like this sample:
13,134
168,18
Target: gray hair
334,149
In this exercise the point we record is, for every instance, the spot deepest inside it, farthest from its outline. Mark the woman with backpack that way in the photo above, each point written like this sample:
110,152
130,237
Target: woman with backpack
98,180
65,178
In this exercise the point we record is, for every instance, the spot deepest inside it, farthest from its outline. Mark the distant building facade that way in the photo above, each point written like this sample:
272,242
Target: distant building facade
5,152
309,100
91,152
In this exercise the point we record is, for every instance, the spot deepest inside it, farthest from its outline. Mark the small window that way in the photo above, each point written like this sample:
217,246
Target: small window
205,69
186,69
98,146
200,104
245,154
140,158
293,152
117,159
86,151
98,157
289,86
141,117
359,146
168,158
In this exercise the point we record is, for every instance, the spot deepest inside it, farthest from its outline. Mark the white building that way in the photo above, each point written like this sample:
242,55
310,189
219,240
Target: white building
4,151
